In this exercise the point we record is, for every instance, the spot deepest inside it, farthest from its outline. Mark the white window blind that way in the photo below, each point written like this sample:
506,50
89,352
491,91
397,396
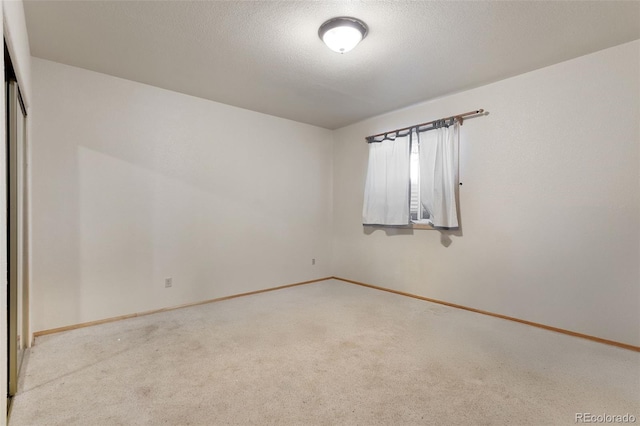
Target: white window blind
414,206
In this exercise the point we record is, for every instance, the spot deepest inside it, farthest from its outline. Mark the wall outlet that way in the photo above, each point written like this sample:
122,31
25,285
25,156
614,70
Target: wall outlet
168,282
313,261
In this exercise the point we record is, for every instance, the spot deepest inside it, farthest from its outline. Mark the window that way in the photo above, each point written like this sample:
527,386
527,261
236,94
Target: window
414,184
412,178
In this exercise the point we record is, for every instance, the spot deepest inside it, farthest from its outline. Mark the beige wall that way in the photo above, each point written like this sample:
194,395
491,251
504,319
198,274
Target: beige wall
132,184
550,201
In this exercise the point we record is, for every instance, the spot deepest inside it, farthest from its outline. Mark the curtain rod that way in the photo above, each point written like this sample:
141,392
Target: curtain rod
459,117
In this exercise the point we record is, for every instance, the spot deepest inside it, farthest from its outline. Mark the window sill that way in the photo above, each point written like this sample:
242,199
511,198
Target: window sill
422,226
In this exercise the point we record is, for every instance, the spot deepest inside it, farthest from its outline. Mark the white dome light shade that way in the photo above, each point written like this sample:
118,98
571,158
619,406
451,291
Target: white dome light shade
342,34
342,39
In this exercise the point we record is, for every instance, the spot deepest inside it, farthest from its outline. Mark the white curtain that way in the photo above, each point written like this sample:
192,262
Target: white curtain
439,175
386,191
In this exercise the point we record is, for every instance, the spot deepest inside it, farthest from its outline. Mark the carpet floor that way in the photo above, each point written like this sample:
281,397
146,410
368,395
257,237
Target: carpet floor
326,353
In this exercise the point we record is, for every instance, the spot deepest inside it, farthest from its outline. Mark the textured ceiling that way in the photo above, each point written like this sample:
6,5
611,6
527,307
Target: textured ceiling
266,55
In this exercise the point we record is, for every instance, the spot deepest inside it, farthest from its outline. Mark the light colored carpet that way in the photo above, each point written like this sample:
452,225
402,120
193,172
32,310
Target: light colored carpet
325,353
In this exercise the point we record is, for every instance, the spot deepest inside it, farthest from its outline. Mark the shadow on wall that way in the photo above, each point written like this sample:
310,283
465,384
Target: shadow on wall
445,236
390,231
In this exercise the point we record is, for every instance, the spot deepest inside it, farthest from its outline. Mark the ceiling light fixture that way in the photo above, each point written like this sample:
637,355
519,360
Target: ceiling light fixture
343,33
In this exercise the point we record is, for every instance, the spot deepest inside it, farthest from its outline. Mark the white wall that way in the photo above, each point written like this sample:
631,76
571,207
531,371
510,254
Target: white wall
132,184
550,201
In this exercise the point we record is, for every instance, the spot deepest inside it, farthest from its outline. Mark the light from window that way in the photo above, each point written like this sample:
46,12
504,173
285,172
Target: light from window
414,171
